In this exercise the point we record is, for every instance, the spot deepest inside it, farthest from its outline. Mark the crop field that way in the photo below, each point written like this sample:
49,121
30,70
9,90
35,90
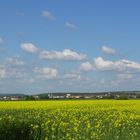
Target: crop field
70,120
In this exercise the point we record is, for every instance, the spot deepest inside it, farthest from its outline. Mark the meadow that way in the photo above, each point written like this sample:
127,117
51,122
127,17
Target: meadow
70,120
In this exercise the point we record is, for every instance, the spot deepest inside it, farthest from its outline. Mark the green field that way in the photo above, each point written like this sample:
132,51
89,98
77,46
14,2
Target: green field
70,120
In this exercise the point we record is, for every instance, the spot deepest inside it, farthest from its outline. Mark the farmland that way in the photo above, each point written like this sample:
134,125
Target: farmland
70,120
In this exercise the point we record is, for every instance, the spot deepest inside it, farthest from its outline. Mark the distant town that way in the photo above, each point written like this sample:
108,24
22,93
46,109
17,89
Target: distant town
121,95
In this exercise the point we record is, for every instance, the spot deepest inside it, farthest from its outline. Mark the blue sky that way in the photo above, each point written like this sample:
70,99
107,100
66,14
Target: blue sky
69,45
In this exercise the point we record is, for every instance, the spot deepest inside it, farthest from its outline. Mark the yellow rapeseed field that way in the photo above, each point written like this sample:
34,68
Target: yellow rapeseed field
70,120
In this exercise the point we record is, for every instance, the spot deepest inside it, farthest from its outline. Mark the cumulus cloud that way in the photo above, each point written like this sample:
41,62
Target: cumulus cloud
66,54
29,47
86,66
48,15
14,61
121,65
107,50
2,72
102,64
15,73
70,25
13,68
46,72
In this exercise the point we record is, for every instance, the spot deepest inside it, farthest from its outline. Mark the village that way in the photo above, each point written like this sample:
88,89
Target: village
57,96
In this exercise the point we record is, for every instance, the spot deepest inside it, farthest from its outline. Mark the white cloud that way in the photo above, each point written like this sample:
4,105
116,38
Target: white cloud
72,76
107,50
29,47
11,69
66,54
121,65
46,72
2,72
86,66
102,64
15,73
14,61
125,76
48,15
126,64
70,25
122,79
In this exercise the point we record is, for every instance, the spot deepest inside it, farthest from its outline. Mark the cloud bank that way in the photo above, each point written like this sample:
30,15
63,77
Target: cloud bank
66,54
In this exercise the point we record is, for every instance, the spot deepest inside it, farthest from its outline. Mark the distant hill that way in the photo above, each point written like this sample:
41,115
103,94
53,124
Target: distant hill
13,94
89,93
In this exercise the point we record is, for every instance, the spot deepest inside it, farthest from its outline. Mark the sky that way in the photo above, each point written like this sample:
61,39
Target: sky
69,46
